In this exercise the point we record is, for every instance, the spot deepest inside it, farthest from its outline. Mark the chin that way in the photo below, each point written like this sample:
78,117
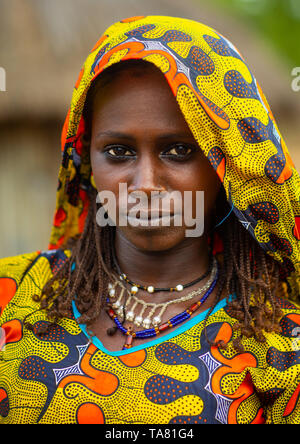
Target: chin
154,239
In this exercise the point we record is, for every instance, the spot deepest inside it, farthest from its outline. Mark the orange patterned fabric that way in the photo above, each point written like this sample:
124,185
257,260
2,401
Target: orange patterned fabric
228,115
62,378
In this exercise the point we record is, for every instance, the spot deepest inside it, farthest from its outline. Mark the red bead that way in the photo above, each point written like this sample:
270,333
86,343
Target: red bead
194,307
129,340
163,327
111,313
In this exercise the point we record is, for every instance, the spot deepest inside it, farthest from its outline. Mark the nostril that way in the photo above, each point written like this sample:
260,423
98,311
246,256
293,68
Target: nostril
149,192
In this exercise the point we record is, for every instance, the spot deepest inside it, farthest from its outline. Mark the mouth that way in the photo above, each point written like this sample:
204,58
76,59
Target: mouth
148,215
148,219
145,213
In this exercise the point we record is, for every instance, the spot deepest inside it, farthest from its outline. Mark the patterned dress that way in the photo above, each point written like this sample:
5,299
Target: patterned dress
64,378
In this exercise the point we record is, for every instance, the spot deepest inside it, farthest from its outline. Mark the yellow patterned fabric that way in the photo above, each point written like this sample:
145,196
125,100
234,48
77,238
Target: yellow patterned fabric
63,378
228,115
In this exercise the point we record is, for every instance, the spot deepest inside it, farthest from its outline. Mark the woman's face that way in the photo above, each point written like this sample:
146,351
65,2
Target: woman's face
140,138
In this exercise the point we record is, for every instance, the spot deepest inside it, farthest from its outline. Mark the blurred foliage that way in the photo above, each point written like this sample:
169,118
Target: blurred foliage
277,21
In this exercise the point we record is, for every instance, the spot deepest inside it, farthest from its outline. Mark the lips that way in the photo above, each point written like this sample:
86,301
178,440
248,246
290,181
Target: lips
144,213
148,221
148,215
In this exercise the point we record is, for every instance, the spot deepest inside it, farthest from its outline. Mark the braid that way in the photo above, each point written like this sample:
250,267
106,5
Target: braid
88,282
253,276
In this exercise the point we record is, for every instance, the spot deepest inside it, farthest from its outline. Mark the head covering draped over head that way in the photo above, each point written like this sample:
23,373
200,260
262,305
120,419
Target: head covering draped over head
228,115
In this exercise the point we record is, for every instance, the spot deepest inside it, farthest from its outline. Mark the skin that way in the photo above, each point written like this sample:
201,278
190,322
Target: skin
140,137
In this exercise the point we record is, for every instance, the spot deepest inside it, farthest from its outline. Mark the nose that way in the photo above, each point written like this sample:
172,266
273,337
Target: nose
146,177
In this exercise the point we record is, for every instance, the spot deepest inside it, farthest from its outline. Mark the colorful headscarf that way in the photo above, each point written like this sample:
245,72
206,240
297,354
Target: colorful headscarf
228,115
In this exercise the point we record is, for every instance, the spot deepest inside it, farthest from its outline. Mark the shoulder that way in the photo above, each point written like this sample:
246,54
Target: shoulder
29,271
280,349
281,375
279,355
12,271
14,267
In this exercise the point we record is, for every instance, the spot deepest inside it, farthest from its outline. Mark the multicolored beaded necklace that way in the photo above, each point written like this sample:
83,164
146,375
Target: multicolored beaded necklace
172,322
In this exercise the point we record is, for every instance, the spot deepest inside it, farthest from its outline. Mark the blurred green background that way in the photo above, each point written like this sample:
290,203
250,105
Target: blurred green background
276,21
43,44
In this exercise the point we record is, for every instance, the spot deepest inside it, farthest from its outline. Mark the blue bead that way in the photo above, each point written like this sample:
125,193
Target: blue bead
179,321
146,333
180,317
120,326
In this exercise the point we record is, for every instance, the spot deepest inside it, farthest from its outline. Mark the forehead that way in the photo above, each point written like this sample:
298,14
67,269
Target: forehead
136,95
126,77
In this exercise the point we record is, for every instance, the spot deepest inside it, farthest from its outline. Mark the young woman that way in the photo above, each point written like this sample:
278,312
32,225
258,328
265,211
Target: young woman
146,322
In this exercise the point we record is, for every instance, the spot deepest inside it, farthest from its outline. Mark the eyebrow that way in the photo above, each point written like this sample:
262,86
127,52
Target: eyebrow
120,135
116,134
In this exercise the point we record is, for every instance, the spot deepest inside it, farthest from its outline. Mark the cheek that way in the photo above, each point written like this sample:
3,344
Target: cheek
206,181
106,178
211,188
202,178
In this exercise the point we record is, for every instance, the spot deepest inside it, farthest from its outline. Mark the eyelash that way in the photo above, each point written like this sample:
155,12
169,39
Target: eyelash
175,157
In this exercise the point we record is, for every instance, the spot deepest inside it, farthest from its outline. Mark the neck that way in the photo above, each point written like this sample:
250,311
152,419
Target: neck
179,265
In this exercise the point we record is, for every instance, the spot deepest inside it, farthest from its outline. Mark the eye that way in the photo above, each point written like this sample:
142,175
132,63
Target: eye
179,151
118,151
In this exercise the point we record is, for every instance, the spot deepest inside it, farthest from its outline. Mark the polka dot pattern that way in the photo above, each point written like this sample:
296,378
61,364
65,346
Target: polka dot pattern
253,131
201,62
275,166
237,86
221,47
4,403
282,360
33,368
215,156
280,244
266,211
